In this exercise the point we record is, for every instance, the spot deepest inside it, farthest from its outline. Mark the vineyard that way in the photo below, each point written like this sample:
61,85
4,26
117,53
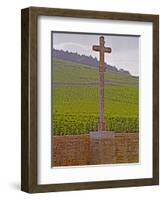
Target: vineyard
75,102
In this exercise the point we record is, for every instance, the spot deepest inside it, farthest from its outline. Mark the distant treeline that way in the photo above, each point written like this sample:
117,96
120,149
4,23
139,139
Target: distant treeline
83,59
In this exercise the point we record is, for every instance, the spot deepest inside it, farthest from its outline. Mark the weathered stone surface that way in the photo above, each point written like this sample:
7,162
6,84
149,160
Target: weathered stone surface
102,50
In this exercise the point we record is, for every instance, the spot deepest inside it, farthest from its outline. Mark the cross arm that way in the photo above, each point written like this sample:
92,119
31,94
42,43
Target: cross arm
96,48
108,49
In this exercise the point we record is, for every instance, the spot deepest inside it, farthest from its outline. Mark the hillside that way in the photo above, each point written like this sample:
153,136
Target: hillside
76,99
85,60
74,73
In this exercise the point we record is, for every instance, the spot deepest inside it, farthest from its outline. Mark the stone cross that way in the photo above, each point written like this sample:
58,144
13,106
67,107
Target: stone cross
102,49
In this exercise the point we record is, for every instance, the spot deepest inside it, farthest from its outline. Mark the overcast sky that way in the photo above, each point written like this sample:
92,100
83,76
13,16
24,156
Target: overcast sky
125,49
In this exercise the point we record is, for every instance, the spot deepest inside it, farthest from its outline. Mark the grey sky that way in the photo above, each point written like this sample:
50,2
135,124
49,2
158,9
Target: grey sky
125,49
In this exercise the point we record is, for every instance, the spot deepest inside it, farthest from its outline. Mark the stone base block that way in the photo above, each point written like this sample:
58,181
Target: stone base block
102,147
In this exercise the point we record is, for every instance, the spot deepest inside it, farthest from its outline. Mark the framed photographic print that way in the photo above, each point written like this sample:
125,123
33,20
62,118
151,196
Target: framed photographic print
90,99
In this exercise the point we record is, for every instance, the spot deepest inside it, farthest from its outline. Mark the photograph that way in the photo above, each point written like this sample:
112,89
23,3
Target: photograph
94,98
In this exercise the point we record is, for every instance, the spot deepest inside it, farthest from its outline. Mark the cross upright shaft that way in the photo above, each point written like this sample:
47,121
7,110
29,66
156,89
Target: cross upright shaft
102,49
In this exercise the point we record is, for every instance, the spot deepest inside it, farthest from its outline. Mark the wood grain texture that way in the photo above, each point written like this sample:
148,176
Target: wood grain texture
24,100
91,14
156,100
29,99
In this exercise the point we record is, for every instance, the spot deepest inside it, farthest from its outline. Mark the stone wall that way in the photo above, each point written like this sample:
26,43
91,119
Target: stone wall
89,150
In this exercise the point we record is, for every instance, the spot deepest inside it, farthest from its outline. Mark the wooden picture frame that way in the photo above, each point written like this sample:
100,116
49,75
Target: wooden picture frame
29,135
